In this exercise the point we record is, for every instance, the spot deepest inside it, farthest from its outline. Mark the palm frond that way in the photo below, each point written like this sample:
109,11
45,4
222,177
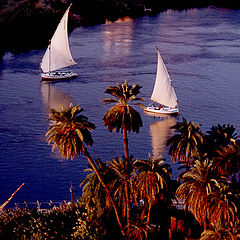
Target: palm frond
69,131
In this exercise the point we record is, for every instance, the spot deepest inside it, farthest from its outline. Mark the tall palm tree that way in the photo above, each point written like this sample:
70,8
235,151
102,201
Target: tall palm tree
185,146
198,184
152,179
69,131
122,115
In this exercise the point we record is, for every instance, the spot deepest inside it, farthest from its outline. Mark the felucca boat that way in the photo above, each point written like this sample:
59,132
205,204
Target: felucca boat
163,99
58,55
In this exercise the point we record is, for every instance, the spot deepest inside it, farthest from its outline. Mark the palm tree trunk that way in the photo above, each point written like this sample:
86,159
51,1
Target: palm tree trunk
91,162
128,204
149,211
125,141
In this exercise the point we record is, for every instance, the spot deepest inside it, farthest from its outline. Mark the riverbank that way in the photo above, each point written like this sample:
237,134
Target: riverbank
30,24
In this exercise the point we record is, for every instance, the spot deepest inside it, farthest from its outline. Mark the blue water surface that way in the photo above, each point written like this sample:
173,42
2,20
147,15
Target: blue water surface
201,49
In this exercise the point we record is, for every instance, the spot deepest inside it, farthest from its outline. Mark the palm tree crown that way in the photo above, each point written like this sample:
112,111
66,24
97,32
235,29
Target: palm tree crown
122,184
69,131
227,159
218,137
122,115
151,180
222,135
185,145
200,185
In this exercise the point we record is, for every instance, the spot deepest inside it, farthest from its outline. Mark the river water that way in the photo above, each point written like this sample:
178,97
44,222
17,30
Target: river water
201,49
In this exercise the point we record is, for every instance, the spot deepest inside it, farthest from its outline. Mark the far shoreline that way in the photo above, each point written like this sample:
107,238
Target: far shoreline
32,24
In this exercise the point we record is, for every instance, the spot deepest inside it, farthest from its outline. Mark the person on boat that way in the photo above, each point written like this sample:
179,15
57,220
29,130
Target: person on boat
158,107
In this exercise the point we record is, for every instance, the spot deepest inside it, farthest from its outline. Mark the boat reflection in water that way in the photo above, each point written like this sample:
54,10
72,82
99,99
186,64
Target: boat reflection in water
54,97
161,131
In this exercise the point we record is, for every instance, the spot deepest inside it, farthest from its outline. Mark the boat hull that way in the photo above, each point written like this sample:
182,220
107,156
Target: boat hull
58,75
163,110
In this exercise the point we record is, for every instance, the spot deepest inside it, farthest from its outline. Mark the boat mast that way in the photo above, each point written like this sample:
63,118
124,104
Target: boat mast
49,62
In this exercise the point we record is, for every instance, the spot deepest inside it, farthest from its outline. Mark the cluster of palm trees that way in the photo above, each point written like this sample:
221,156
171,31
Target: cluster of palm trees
125,190
208,185
123,186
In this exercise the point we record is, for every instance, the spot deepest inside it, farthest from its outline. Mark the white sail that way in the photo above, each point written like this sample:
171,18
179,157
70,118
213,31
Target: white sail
58,54
163,92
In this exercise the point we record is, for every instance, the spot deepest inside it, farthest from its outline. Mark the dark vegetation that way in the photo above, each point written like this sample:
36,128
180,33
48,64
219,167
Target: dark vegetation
127,198
28,24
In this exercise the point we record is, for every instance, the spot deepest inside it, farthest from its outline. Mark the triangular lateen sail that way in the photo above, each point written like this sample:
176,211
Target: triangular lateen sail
163,92
58,53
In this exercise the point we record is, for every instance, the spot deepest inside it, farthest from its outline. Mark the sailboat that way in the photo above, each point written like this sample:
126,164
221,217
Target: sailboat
58,53
164,99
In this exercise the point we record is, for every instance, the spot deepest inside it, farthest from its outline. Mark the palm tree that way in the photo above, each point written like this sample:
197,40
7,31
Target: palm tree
222,134
93,192
95,200
122,115
230,233
138,230
222,210
122,184
201,184
151,181
70,131
227,159
186,145
219,136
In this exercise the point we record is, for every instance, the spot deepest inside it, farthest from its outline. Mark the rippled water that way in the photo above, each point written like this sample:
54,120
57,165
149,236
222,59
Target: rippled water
201,49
